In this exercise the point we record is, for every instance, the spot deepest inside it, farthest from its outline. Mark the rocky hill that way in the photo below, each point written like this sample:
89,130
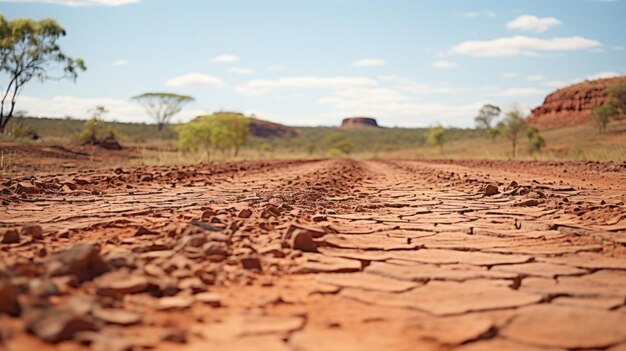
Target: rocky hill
573,104
265,129
359,123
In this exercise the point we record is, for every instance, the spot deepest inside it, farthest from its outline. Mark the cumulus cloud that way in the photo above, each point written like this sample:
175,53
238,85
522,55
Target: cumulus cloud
445,64
530,23
522,45
194,79
276,67
263,86
78,3
518,92
603,75
536,77
509,75
225,58
417,88
368,62
120,62
241,70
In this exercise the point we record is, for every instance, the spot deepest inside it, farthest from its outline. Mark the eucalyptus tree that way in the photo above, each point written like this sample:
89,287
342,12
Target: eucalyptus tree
30,49
162,106
485,119
513,126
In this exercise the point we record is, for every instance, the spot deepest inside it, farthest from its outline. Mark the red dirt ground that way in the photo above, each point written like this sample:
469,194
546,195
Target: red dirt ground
316,255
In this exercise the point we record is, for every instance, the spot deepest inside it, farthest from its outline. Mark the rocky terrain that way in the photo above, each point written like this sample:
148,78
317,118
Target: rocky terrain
265,129
359,123
316,255
573,104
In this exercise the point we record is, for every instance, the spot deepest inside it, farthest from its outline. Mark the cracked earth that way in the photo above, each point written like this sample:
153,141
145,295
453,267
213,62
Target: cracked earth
316,255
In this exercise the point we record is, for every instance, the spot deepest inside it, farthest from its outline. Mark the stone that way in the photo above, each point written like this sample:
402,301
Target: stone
11,236
174,303
56,325
491,189
316,263
209,298
82,260
251,263
119,286
26,188
117,316
302,239
8,298
33,230
245,213
567,327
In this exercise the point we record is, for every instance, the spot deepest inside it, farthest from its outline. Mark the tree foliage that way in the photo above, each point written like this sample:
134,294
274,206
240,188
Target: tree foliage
487,115
603,115
512,127
29,49
617,97
436,136
162,106
225,132
94,128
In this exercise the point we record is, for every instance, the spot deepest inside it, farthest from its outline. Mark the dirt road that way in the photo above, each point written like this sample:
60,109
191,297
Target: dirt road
316,255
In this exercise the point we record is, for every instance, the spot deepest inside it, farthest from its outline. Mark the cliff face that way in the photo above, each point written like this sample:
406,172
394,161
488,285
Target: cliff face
359,123
573,104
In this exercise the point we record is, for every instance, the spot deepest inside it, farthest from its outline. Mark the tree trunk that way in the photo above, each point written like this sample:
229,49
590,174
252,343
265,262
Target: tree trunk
514,147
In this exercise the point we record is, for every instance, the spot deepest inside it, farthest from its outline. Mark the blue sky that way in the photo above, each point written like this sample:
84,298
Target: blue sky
406,62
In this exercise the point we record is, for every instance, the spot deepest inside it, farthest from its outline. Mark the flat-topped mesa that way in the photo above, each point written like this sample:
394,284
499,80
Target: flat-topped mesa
359,123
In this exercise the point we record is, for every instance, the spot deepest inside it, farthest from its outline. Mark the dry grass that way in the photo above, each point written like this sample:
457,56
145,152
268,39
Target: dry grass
582,142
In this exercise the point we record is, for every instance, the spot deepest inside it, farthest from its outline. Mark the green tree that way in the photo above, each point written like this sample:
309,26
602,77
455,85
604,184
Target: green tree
29,49
162,106
338,144
603,115
512,127
485,119
536,144
222,131
93,129
617,97
436,136
531,131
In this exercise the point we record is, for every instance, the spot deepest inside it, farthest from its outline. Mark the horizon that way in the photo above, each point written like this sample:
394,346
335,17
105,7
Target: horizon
313,64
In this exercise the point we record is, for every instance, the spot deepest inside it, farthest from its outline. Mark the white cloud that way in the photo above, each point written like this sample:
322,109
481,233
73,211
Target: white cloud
194,79
120,62
368,62
517,92
417,88
509,75
241,70
532,23
522,45
444,64
78,3
474,14
225,58
391,107
603,75
536,77
471,14
263,86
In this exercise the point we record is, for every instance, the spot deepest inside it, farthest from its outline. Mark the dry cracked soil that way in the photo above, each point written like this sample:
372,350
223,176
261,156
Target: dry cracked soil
316,255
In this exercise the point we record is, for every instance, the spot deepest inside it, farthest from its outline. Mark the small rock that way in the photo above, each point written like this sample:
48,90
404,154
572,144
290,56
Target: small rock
174,303
319,218
127,285
81,181
245,213
8,298
116,316
175,335
33,230
251,263
82,260
11,236
210,298
55,325
302,239
26,188
144,231
491,190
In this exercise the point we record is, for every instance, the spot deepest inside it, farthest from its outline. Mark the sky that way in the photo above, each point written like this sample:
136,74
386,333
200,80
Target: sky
407,63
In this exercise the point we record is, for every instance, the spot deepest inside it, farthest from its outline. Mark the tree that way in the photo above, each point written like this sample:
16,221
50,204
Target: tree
436,136
29,49
93,129
162,106
486,116
222,131
512,126
617,97
536,144
531,131
603,115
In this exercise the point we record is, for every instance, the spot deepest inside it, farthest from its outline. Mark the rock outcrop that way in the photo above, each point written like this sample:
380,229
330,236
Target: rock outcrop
265,129
573,104
359,123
